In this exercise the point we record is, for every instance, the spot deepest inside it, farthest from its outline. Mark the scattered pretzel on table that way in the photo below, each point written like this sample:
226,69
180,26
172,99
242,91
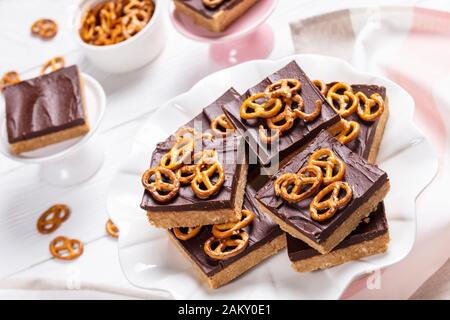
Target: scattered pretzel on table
112,229
186,233
221,249
115,21
327,160
53,64
221,126
162,190
44,28
295,187
350,131
66,249
323,210
226,230
342,94
375,101
52,218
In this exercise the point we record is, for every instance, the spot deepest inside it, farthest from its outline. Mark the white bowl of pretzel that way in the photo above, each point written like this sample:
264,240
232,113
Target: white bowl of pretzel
120,35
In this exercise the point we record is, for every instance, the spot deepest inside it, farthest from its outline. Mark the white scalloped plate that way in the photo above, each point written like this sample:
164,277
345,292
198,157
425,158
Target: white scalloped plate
150,261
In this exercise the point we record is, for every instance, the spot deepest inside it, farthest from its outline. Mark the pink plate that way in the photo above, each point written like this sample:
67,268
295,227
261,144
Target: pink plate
246,39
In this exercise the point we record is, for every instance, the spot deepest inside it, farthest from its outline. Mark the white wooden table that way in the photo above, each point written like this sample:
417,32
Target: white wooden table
26,267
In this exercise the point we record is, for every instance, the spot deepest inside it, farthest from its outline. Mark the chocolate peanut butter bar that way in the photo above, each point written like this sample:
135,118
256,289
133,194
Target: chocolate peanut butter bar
215,15
300,131
367,142
369,238
330,191
188,208
45,110
265,238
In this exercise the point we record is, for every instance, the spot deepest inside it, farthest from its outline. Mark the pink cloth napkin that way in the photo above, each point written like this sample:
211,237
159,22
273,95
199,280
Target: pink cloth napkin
410,46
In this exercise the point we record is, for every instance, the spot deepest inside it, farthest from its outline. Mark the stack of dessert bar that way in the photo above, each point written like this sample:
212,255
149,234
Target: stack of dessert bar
290,161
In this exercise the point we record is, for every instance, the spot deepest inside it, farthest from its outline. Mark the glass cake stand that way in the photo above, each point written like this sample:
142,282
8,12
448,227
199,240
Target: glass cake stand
72,161
248,38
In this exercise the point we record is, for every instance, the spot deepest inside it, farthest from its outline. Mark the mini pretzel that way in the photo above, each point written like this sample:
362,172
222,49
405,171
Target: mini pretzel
134,22
321,85
66,249
159,189
267,108
9,78
179,154
53,64
112,229
194,134
226,230
302,185
347,101
221,126
308,117
285,88
44,28
333,203
52,218
325,159
203,185
221,249
369,103
212,3
350,131
186,233
279,124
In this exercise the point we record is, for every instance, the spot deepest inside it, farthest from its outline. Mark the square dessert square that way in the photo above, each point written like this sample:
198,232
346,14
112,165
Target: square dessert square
265,238
301,131
216,16
45,110
186,208
367,142
320,217
369,238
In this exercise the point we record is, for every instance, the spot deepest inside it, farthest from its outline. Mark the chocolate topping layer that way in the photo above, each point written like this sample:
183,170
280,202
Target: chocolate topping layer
43,105
300,134
230,153
364,179
207,12
261,231
363,144
376,227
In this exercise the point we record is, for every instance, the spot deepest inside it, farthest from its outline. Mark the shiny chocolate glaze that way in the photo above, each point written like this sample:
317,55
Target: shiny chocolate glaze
44,105
300,134
364,179
376,227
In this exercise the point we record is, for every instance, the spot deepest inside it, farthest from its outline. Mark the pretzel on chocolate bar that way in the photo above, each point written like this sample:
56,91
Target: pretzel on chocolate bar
52,218
193,133
295,187
186,233
308,117
179,154
279,124
350,131
326,160
285,88
209,177
53,64
260,106
221,126
321,210
226,230
9,78
321,85
186,173
44,28
165,185
347,101
221,249
366,113
66,249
